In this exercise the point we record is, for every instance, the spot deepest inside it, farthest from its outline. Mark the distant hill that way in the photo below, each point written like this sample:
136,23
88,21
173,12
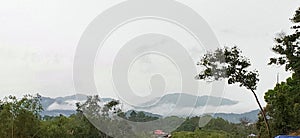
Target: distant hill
64,105
67,105
187,100
235,118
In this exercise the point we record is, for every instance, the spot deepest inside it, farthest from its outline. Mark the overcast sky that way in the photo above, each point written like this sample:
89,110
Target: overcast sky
38,40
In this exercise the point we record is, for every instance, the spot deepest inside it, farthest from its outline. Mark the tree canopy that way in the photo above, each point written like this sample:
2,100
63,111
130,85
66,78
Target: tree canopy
229,63
288,49
283,101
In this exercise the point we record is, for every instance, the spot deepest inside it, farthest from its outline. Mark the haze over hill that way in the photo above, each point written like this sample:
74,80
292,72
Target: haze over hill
187,100
155,107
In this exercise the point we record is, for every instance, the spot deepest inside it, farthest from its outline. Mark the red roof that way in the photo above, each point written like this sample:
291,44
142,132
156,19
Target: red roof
159,132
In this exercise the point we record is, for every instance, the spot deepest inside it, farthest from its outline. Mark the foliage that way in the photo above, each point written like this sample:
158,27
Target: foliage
283,106
201,133
139,117
283,102
190,124
229,63
20,118
105,118
287,46
216,127
74,126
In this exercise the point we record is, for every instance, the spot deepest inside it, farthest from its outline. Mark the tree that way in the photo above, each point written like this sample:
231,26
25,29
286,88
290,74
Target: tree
283,106
140,117
215,125
245,121
132,116
104,117
58,126
190,124
228,63
20,118
287,46
90,111
283,101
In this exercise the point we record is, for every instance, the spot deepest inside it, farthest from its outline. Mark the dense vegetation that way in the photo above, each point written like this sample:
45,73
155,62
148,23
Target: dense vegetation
217,127
21,118
283,102
202,133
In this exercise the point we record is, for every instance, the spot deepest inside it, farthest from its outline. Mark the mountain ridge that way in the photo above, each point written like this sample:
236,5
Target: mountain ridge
66,105
188,100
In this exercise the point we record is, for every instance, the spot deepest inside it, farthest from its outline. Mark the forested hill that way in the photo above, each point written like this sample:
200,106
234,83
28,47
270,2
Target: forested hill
66,106
235,118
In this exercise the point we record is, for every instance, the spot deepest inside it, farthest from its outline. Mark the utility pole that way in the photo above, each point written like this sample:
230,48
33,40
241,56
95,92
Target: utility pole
277,78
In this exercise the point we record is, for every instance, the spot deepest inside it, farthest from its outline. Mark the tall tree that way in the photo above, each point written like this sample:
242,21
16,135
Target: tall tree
104,117
133,116
283,106
283,102
287,46
230,64
20,117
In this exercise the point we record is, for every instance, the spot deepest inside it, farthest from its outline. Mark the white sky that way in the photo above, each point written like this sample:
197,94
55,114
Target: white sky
38,40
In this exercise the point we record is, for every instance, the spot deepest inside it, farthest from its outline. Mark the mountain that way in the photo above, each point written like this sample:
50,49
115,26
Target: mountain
187,100
235,118
67,105
64,105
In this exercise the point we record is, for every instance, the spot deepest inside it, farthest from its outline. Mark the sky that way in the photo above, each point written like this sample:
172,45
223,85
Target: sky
38,40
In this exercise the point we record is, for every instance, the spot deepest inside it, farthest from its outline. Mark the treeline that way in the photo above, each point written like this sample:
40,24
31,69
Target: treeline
21,118
138,117
216,127
283,102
